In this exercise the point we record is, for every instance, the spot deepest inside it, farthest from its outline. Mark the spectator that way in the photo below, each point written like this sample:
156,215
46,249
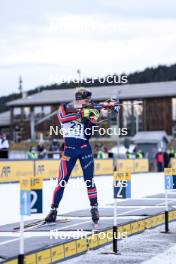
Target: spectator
129,155
160,160
97,147
110,155
166,159
54,150
4,147
105,150
139,154
41,151
32,153
102,153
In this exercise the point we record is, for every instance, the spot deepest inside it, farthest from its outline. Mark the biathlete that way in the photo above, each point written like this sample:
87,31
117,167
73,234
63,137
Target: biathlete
74,124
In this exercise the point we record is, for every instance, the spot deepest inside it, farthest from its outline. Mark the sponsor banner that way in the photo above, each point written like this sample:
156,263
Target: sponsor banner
122,176
125,165
30,259
47,169
140,165
81,245
133,165
70,249
77,171
57,253
44,256
11,171
173,163
103,167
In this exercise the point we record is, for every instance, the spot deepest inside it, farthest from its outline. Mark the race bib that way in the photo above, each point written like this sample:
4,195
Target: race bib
73,129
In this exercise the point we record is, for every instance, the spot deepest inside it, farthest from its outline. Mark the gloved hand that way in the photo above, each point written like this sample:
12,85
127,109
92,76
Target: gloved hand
92,114
85,112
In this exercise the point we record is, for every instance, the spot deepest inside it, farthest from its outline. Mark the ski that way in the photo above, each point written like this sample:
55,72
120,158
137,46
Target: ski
39,223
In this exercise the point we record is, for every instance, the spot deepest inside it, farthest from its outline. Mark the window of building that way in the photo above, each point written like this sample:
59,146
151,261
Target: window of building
37,109
132,116
47,110
174,109
17,111
26,111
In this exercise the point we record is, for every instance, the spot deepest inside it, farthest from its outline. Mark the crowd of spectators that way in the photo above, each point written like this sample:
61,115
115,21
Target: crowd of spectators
40,152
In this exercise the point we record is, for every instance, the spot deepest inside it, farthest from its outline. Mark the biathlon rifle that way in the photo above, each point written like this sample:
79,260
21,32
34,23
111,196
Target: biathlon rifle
110,104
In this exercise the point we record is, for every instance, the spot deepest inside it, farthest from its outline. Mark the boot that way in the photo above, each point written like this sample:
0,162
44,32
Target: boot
51,217
95,214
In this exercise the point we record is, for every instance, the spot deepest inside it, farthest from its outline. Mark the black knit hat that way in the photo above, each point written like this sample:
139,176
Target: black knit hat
82,93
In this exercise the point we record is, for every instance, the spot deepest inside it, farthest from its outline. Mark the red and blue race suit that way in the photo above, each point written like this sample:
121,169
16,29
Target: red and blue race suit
76,146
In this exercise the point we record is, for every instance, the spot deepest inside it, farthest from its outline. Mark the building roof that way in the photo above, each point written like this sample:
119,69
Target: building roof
127,91
5,119
150,137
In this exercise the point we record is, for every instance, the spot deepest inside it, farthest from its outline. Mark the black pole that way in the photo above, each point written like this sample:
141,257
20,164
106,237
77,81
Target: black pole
21,259
166,221
115,237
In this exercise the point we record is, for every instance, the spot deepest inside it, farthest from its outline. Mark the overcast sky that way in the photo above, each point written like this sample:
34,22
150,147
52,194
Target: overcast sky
48,40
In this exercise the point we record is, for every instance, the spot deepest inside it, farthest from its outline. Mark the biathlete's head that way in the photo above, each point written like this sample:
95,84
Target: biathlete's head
83,95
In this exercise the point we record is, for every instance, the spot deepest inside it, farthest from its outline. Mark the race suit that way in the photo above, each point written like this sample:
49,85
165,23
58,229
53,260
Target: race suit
76,146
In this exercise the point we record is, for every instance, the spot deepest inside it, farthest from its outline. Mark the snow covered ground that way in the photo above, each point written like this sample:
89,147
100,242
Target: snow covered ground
75,196
168,256
150,247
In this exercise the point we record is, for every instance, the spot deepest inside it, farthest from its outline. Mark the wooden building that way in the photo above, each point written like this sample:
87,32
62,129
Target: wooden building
156,109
